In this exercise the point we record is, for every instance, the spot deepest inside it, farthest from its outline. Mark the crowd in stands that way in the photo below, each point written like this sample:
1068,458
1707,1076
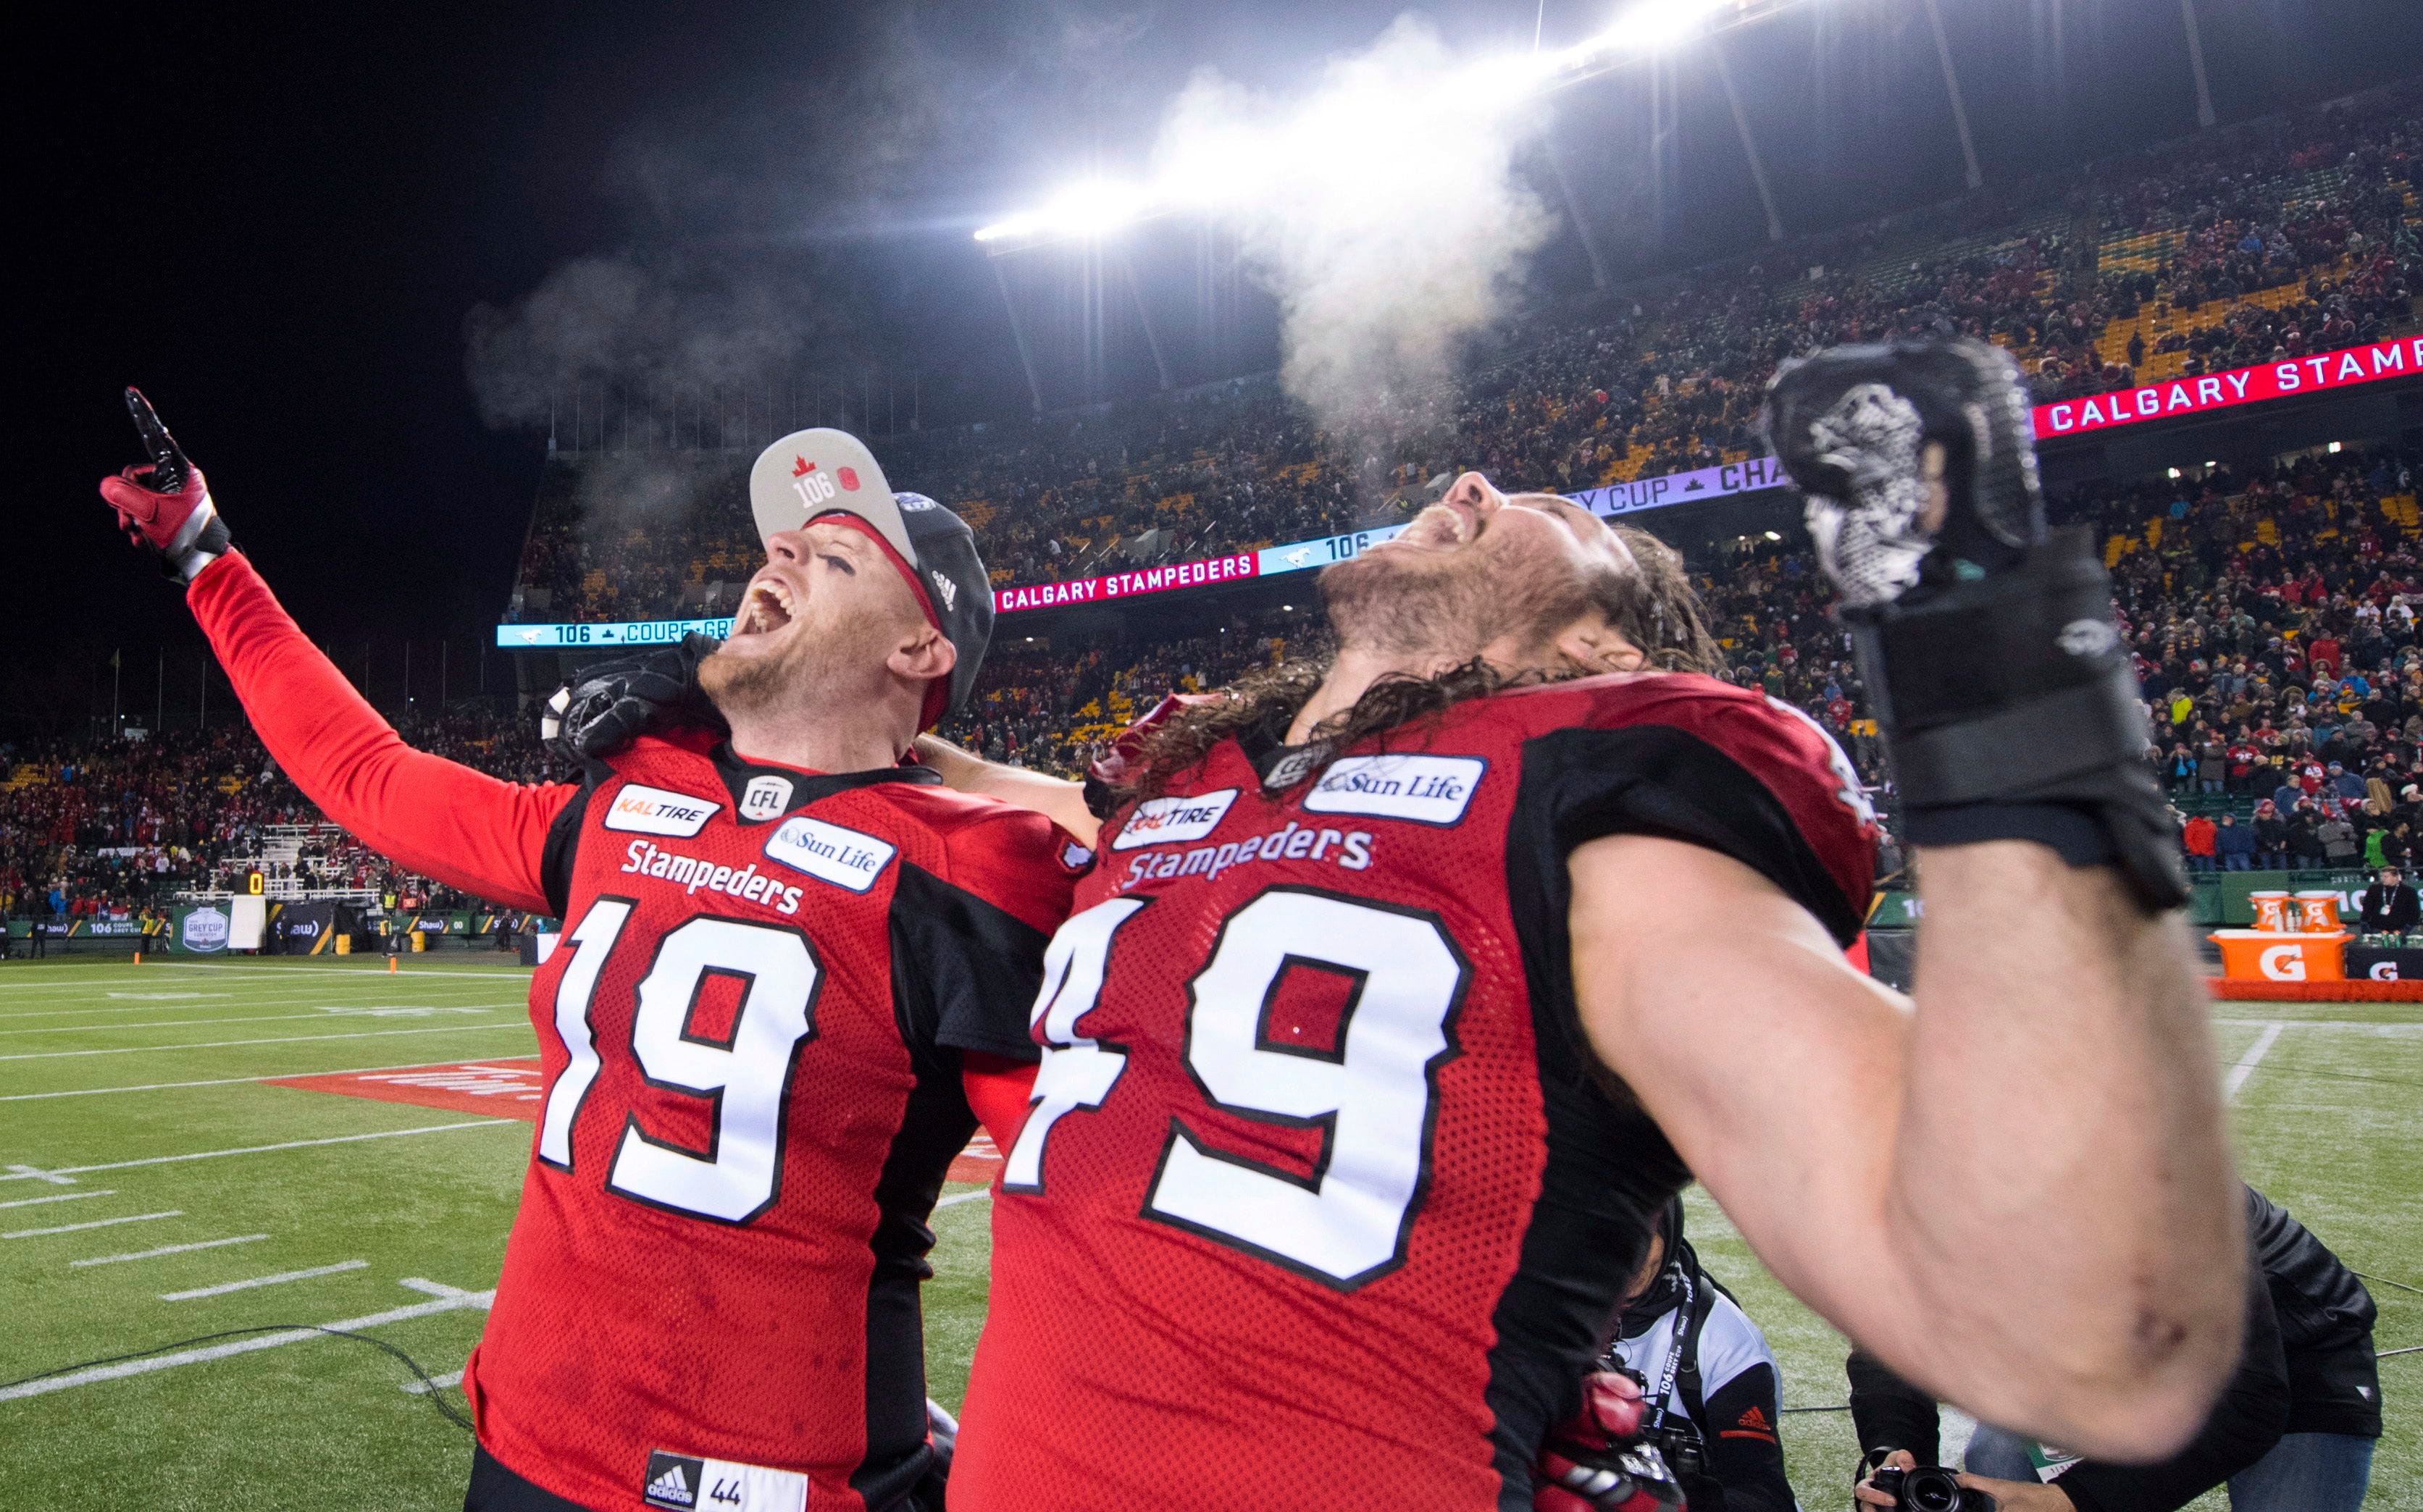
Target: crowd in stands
2272,616
92,828
2277,239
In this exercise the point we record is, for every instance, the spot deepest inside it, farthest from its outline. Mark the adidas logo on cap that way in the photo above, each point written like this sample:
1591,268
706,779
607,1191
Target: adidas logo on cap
949,591
672,1481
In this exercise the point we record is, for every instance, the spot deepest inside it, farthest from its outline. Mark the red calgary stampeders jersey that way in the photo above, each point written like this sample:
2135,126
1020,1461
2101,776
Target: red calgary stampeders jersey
1320,1203
752,1036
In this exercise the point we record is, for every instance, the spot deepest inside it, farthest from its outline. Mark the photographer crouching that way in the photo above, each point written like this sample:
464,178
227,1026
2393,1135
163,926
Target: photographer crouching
1712,1385
2295,1431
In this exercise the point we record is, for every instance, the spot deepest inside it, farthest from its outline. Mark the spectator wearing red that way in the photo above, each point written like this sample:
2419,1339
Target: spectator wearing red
2200,836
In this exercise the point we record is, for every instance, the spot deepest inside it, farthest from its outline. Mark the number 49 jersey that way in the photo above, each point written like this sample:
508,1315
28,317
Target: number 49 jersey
1321,1201
752,1036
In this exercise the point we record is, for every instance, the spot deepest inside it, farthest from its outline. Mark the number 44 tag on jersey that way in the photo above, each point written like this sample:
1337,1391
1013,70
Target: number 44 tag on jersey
687,1483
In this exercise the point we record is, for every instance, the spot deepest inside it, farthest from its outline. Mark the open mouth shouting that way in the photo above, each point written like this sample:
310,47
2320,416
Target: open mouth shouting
766,607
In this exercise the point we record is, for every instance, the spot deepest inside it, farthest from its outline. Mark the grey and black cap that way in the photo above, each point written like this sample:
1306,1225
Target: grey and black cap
811,474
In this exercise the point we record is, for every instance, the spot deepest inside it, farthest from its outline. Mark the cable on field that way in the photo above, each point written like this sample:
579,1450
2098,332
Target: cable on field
2386,1282
435,1394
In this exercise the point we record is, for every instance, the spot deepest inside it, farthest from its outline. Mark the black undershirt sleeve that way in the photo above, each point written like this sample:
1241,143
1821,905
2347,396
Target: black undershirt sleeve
966,971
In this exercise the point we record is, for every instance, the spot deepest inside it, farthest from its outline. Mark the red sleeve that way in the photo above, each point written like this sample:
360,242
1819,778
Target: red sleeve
463,827
1021,862
998,1091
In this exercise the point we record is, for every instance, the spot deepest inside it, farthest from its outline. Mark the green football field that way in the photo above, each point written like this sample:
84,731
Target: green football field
157,1184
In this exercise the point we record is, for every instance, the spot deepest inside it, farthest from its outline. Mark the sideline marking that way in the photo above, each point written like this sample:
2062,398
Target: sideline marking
317,1016
170,1249
231,1082
958,1198
285,1039
453,1378
278,1279
453,1301
62,1197
27,1173
104,1223
290,1145
359,971
2247,1062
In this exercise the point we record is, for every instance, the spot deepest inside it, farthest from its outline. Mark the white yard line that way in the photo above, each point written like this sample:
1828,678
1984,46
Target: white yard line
287,1039
278,1279
453,1378
362,970
262,997
453,1301
319,1015
260,1149
104,1223
169,1249
2247,1062
956,1199
2328,1023
63,1197
231,1082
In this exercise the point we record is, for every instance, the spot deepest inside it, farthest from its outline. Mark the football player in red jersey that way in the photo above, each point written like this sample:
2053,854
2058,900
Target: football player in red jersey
1409,987
794,973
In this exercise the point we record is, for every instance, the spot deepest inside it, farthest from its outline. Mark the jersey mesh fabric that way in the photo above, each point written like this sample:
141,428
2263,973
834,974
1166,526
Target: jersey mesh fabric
624,1325
1130,1360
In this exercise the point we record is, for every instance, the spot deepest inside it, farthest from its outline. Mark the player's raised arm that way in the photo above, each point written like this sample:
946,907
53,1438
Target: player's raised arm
436,817
2019,1193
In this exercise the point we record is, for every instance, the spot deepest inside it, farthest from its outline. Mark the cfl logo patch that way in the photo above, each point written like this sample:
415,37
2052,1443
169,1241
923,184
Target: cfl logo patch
765,798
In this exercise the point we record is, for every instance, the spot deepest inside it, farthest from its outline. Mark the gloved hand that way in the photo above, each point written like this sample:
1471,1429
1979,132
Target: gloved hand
616,703
182,528
1918,463
1596,1461
2008,699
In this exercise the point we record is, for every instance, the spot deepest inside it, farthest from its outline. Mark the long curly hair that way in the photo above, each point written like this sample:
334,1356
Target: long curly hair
1653,606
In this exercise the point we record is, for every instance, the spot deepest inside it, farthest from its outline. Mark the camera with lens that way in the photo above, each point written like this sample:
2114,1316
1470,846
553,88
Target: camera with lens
1929,1489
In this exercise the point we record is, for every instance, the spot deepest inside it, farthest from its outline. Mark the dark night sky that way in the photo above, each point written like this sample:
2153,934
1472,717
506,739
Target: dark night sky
276,223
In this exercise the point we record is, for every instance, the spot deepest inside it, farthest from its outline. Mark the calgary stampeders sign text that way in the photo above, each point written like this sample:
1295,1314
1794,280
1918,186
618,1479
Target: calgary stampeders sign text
1126,585
2402,358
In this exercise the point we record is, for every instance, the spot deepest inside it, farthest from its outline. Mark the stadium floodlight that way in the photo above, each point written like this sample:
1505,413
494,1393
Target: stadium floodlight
1093,208
1350,140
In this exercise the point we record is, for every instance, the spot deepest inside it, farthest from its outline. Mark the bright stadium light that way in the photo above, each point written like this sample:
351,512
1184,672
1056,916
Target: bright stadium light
1351,139
1094,208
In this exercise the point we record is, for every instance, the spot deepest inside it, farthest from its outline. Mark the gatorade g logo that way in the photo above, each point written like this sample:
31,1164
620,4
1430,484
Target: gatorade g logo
2383,971
2282,963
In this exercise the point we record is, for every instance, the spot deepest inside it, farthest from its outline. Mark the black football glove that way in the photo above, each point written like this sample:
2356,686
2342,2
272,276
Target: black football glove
616,703
2007,700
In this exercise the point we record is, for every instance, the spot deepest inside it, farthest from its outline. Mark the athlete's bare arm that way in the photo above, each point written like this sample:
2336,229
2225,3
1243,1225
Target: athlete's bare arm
2016,1191
439,818
1057,799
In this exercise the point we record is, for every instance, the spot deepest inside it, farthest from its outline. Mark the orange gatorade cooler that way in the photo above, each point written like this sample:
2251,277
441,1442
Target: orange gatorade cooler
2317,913
2271,910
2271,955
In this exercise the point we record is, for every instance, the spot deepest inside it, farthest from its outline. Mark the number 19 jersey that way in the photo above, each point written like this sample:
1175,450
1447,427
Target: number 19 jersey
1321,1200
753,1039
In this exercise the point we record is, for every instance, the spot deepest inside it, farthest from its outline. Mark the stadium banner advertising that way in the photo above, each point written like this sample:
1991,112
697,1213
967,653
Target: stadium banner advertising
2402,358
202,929
305,929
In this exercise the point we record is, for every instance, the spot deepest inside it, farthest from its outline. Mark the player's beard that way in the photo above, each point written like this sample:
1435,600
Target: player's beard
1449,609
816,664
